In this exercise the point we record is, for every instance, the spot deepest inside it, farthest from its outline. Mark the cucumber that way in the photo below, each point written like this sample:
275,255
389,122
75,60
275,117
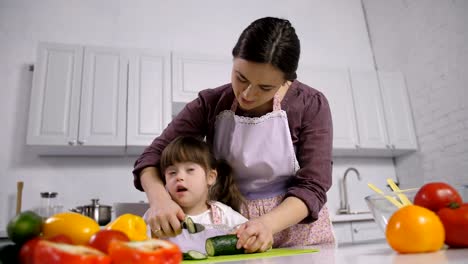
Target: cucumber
222,245
188,222
193,255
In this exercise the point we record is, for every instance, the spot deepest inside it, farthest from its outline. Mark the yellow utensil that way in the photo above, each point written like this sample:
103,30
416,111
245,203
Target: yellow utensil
403,198
389,198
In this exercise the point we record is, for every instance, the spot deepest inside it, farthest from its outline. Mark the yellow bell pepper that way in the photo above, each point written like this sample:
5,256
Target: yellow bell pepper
78,227
133,226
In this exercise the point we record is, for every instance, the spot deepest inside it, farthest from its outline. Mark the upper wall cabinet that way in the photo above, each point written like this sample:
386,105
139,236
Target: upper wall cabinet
195,72
371,113
335,85
401,132
149,98
79,99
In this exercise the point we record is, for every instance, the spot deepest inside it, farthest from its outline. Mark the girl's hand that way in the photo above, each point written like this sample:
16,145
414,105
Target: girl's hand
254,236
165,220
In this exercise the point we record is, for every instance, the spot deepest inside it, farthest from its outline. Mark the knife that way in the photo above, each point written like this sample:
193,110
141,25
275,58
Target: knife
194,228
191,226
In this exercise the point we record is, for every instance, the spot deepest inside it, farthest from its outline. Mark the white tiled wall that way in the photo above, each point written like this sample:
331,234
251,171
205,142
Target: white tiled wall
427,40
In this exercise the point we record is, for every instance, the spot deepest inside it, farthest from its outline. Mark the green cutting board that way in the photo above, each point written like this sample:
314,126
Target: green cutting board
276,252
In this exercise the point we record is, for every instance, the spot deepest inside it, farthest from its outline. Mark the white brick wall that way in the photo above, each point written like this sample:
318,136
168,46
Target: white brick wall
428,41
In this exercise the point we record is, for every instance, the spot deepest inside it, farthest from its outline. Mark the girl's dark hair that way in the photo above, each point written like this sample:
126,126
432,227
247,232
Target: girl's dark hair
270,40
190,149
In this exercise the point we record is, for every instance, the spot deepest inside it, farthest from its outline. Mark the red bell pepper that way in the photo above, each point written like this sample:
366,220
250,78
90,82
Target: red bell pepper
150,251
455,221
47,252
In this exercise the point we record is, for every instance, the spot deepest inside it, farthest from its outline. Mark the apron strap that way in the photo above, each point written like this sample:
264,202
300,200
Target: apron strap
216,214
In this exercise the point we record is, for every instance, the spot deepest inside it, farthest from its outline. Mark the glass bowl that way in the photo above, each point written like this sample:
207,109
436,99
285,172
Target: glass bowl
382,209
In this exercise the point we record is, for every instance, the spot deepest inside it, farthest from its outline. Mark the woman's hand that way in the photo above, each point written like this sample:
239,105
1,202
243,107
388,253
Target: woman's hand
165,220
164,215
254,236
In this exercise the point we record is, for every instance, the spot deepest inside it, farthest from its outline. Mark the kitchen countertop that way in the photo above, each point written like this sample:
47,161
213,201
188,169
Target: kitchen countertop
379,253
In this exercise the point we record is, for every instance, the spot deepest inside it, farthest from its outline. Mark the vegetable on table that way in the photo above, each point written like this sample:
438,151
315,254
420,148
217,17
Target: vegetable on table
144,252
102,239
193,255
436,195
78,227
24,226
47,252
415,229
455,221
133,226
222,245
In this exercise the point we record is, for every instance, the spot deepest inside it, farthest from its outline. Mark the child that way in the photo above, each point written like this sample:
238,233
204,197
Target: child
202,187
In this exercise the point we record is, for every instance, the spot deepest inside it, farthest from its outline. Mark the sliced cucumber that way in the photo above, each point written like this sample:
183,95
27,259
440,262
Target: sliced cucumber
188,222
222,245
193,254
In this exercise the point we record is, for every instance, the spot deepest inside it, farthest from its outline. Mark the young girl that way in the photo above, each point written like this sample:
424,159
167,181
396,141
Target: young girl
202,187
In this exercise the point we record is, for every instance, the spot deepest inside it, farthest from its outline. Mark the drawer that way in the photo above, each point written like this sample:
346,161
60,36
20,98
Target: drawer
343,232
366,230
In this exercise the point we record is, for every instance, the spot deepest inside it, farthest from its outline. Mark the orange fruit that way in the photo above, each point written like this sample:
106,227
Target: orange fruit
415,229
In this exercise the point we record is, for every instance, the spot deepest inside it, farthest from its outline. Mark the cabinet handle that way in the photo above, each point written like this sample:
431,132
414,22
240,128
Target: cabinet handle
72,142
355,230
81,142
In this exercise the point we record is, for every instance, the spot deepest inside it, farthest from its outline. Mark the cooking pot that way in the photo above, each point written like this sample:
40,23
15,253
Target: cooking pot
99,212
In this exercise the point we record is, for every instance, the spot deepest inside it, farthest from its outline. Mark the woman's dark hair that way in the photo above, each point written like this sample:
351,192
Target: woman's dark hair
270,40
190,149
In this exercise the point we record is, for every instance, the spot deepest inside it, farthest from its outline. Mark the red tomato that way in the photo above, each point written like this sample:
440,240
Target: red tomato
436,195
26,254
144,252
61,239
455,221
47,252
102,239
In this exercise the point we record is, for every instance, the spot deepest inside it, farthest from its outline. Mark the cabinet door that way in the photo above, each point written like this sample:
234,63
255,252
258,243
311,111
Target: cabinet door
55,95
343,233
103,97
195,72
336,87
149,97
398,112
369,110
364,231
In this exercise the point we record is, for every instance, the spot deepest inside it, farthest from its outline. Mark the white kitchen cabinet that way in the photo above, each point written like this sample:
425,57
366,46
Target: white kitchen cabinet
55,95
90,100
149,98
195,72
103,97
335,85
354,232
365,231
398,113
369,110
78,100
343,233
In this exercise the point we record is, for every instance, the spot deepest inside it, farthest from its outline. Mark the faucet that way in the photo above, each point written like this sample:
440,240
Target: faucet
344,206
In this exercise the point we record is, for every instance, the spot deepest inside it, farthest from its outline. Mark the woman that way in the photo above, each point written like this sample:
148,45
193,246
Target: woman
275,132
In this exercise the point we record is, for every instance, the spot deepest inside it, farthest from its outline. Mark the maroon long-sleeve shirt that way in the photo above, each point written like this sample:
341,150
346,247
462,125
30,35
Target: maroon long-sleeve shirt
310,125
